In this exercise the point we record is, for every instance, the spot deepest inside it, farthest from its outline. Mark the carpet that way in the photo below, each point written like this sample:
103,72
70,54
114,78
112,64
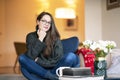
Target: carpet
12,77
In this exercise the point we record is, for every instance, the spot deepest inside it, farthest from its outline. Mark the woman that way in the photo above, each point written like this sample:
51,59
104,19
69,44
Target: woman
44,47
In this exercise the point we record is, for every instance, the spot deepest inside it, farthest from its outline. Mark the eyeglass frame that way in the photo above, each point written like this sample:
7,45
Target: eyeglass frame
46,22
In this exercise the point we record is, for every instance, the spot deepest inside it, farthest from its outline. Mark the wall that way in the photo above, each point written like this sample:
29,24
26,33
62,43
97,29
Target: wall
20,18
111,24
2,23
93,20
3,56
101,23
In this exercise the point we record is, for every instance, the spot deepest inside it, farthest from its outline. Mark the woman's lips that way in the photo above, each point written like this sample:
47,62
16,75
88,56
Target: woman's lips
46,27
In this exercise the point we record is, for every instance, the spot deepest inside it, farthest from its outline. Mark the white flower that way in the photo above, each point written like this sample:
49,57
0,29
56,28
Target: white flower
106,46
87,43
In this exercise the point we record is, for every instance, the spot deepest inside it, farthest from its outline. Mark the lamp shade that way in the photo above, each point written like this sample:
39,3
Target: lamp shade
66,13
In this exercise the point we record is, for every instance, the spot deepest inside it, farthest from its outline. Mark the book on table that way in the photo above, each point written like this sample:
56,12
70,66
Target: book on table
82,71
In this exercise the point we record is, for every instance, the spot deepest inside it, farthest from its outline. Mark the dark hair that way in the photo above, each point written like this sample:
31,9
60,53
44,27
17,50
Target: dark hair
52,34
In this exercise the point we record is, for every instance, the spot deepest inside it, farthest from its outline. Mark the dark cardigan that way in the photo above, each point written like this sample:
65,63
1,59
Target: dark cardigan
35,50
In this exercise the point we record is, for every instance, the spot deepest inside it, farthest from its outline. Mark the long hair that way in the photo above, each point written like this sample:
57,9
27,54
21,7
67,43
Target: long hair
52,35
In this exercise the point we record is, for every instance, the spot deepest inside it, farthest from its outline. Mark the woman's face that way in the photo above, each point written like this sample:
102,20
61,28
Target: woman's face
45,23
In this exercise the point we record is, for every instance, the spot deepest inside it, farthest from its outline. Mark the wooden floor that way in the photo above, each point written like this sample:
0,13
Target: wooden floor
9,70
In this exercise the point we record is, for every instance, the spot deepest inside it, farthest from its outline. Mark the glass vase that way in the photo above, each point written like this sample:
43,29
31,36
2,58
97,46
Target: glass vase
100,65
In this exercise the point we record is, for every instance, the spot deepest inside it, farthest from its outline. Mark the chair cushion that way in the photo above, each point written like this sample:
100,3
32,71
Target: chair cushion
70,44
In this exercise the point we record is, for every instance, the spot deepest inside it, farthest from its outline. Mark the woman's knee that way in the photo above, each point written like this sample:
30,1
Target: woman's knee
70,57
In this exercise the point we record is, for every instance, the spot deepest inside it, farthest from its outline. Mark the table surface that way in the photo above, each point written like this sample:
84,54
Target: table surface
109,77
81,78
113,77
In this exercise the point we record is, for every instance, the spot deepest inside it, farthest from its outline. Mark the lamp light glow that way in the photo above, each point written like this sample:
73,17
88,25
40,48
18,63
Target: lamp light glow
66,13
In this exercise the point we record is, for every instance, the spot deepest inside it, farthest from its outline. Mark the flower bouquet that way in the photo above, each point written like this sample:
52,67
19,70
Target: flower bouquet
101,48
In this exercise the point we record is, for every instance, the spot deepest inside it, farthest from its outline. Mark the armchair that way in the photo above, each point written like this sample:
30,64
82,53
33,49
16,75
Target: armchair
70,44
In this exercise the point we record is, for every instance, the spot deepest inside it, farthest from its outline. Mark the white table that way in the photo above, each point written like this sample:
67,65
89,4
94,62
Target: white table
81,78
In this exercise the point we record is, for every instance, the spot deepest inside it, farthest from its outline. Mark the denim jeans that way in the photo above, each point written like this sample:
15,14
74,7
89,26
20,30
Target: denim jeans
33,71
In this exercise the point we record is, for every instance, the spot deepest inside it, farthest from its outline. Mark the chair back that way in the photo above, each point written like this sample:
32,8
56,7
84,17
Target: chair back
70,44
20,47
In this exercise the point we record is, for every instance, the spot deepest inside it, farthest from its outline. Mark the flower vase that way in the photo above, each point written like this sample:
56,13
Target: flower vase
100,65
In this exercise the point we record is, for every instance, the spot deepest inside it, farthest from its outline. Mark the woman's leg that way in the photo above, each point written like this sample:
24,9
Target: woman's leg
34,68
68,60
29,76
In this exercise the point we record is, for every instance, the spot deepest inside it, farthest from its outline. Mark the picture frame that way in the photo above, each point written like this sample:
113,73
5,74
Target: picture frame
71,24
111,4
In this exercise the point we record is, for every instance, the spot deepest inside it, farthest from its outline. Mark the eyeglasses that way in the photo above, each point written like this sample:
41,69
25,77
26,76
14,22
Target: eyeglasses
45,22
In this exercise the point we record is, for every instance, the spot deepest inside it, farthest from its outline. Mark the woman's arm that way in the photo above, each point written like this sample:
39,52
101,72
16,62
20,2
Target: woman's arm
56,55
58,49
34,46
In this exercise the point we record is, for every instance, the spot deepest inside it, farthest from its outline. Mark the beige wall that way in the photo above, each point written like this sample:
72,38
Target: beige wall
2,33
93,20
111,24
2,24
18,18
101,23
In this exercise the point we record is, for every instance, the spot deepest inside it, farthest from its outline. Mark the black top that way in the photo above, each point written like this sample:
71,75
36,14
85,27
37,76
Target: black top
35,49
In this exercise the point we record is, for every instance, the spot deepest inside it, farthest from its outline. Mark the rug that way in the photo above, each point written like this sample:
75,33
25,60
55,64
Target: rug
12,77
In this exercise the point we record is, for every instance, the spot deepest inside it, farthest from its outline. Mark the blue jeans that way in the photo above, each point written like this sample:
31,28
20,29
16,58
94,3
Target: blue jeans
33,71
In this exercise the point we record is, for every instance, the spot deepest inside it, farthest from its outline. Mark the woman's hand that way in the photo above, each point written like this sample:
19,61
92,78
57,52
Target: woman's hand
41,35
